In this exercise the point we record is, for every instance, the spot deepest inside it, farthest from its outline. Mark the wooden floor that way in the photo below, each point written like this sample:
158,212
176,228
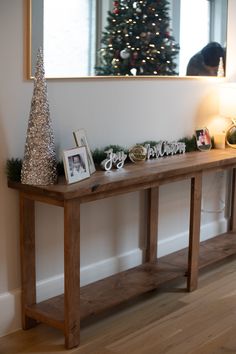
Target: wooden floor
168,321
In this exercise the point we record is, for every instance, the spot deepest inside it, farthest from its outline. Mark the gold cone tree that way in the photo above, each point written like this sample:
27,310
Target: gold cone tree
39,164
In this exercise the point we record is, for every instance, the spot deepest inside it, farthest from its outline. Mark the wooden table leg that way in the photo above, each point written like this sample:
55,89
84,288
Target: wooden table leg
27,249
152,223
232,224
194,231
72,272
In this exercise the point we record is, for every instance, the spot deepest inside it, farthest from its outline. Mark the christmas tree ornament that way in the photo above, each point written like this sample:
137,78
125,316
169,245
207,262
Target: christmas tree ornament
136,7
39,164
133,71
138,153
125,54
116,7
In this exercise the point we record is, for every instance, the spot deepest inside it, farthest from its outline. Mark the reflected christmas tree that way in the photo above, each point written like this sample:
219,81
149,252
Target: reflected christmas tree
138,40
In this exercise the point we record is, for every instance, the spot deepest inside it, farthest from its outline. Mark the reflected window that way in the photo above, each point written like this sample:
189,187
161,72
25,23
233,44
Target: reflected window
70,42
191,40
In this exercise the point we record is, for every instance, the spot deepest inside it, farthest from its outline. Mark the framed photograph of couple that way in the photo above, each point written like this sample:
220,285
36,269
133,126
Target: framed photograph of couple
203,139
81,140
76,164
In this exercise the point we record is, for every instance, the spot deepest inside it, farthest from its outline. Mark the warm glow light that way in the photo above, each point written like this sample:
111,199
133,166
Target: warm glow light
218,124
219,141
227,107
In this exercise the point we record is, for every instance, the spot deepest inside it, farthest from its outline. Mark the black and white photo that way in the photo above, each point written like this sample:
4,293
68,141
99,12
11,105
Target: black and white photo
76,164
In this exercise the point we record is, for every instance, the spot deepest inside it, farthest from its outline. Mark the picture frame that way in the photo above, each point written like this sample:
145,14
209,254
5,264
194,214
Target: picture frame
76,164
81,140
203,139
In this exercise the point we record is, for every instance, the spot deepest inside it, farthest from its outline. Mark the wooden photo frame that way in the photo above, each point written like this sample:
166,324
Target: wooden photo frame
81,140
76,164
203,139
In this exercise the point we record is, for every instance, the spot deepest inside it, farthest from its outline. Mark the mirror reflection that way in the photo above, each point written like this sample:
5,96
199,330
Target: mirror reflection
231,136
129,37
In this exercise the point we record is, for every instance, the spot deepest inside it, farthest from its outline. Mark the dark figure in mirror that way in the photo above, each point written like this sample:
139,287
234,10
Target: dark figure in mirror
206,62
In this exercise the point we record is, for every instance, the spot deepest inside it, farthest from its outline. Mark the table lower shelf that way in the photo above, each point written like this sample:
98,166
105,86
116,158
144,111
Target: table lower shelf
112,291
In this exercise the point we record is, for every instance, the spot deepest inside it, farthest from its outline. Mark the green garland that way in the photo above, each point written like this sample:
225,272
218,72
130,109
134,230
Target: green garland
14,165
191,144
99,154
13,169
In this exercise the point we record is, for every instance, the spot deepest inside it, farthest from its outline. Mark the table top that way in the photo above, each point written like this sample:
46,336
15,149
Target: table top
134,176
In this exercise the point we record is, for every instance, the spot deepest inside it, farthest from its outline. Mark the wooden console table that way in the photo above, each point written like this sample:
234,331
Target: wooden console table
66,311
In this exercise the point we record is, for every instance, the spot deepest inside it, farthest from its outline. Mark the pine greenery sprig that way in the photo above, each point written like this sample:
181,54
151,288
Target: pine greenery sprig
152,143
212,142
190,142
60,168
13,169
99,154
115,148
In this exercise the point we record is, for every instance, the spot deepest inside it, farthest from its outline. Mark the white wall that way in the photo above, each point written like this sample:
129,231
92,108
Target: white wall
112,111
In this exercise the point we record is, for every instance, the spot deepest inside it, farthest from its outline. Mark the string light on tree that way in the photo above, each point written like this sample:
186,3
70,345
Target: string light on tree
138,34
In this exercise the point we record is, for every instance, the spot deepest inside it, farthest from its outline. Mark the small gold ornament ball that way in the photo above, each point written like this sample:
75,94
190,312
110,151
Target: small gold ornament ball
138,153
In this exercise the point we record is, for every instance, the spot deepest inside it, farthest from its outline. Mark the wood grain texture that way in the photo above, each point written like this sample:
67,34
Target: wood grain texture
232,225
102,296
72,273
152,225
27,249
194,231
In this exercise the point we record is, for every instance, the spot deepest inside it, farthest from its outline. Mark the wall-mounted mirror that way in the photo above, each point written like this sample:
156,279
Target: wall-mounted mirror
84,38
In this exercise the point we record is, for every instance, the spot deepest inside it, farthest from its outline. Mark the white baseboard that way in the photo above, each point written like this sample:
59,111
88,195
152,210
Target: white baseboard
10,318
10,309
179,241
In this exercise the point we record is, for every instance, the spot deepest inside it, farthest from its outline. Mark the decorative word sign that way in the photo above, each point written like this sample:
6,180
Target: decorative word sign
113,159
165,148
